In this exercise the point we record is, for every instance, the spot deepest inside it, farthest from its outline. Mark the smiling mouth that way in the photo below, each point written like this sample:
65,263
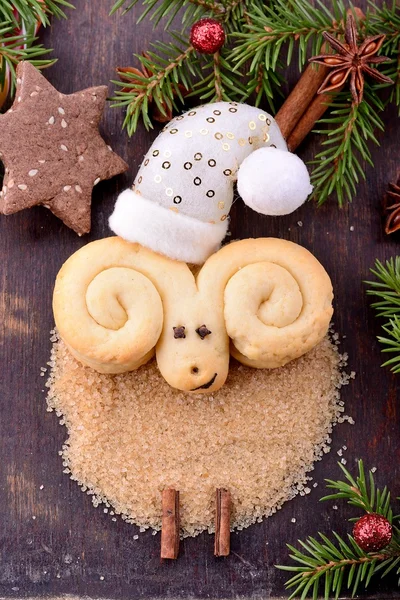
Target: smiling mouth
207,385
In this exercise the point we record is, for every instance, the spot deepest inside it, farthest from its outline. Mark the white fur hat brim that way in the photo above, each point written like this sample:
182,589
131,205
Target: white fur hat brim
176,235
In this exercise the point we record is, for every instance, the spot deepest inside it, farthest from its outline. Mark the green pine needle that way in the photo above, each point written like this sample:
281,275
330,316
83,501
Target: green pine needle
348,131
387,290
328,566
30,13
273,29
169,67
218,82
361,492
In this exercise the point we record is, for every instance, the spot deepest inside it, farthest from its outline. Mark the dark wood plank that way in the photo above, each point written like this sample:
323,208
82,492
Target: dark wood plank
52,541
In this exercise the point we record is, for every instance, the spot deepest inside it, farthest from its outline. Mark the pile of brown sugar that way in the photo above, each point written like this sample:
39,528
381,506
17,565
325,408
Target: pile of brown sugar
132,435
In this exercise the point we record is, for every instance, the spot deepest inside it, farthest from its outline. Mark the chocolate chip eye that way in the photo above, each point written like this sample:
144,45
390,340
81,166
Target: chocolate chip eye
179,332
203,331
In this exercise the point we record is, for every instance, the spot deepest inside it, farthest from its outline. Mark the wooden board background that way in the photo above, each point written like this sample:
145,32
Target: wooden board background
52,541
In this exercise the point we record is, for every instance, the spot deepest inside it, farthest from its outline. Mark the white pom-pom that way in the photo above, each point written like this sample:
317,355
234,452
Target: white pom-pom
273,182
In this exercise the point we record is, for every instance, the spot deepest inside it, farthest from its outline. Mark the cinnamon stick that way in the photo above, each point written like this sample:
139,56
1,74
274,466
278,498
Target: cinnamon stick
298,101
314,112
222,545
170,524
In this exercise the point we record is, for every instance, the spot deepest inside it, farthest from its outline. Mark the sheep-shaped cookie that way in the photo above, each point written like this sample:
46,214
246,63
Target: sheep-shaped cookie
265,301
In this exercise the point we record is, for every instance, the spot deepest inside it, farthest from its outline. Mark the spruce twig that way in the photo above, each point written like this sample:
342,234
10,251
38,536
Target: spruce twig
31,11
169,8
218,82
360,492
348,131
387,290
329,565
162,86
16,46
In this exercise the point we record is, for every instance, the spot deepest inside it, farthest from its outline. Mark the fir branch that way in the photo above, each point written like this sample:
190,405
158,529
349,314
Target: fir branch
361,492
277,27
391,343
327,564
332,565
15,48
393,71
17,35
349,129
163,9
231,12
385,19
173,64
219,82
32,11
387,290
219,90
266,85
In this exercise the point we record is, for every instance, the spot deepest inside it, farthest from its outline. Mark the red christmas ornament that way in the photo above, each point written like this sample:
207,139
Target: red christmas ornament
207,36
372,532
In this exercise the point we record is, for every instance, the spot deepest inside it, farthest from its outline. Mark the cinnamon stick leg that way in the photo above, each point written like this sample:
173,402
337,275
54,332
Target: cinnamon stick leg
170,524
222,545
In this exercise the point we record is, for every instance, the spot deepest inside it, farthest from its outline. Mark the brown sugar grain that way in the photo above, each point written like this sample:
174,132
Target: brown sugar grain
131,436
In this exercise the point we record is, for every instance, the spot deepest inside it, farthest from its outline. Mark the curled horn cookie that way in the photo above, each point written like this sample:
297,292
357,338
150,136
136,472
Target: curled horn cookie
266,301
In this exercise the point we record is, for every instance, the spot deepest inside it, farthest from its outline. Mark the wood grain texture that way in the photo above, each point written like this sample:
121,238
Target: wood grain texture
52,541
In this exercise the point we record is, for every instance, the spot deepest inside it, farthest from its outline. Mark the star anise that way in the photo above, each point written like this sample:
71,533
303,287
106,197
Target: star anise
351,60
125,75
392,207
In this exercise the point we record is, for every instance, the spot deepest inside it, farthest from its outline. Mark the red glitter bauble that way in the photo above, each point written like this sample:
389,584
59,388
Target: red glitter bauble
207,36
372,532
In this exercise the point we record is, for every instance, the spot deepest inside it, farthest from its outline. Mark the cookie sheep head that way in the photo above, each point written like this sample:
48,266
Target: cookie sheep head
264,301
180,201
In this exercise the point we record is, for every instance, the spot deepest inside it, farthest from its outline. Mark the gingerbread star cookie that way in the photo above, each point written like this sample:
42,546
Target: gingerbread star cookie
52,150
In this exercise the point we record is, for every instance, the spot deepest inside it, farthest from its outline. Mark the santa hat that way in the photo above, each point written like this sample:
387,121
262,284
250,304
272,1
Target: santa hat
182,194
